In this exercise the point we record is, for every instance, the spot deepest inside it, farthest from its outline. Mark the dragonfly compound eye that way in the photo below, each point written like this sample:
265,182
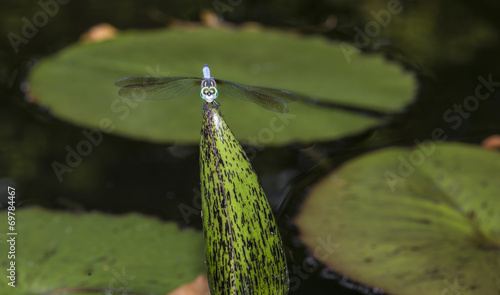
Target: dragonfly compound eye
214,92
204,92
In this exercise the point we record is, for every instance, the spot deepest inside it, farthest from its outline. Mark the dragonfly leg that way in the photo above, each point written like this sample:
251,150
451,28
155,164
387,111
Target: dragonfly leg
216,105
204,108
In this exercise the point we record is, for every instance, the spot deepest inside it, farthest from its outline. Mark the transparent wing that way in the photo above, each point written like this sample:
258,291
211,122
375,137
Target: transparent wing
269,98
151,88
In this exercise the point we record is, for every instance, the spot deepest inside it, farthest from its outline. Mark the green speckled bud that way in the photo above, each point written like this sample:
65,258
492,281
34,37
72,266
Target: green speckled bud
244,251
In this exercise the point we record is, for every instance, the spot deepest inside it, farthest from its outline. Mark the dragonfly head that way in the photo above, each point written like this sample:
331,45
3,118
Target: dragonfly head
209,90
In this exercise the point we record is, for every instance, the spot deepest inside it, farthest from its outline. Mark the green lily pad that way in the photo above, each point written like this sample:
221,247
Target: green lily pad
77,84
56,250
420,221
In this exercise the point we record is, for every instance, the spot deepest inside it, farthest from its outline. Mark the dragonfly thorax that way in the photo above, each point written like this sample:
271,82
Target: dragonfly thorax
209,89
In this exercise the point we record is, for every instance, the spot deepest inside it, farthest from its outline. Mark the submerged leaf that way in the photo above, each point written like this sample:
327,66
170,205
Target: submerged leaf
244,251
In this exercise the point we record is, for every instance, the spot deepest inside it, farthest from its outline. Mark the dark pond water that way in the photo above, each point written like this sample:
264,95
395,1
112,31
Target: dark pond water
449,46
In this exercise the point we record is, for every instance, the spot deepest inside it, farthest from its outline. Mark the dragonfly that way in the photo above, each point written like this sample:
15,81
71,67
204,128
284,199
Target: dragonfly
161,88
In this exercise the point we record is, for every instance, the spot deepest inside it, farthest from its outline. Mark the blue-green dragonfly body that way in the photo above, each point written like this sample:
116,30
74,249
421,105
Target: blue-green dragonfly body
173,87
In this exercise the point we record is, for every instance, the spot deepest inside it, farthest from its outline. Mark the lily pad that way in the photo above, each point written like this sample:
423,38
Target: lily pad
77,84
420,221
55,251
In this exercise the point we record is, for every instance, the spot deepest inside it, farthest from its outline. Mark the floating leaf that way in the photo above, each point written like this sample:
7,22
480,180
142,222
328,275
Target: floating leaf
77,84
420,221
99,252
242,241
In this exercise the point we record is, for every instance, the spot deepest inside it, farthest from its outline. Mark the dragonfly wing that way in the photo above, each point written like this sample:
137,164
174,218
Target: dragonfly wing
283,95
150,88
268,98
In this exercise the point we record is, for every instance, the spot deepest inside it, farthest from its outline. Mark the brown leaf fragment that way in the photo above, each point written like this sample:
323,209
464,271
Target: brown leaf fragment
197,287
